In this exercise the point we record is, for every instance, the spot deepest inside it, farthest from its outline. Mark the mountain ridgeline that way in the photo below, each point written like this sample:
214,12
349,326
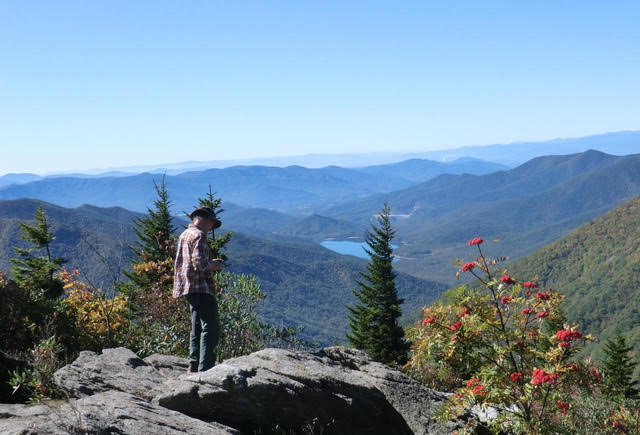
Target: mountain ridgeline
526,207
292,190
618,143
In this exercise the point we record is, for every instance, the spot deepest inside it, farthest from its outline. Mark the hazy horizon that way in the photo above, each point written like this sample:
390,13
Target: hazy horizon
389,156
108,85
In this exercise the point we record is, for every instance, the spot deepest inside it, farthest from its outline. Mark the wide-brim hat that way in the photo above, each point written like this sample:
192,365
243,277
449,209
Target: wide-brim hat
207,213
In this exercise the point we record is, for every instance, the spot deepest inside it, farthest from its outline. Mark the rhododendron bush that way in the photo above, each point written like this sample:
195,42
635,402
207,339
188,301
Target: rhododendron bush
504,343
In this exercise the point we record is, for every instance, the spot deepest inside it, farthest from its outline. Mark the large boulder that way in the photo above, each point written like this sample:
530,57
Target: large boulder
337,390
116,369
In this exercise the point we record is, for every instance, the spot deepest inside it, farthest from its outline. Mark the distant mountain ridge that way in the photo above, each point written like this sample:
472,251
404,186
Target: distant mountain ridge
294,189
448,192
619,143
9,179
527,207
420,170
510,154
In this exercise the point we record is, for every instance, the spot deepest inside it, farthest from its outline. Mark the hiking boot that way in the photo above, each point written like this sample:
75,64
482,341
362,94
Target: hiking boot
193,368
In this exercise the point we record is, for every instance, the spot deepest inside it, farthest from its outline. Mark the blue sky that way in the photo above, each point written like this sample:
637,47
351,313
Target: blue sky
92,84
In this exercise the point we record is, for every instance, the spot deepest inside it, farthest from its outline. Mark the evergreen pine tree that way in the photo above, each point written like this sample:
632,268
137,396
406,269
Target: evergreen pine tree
216,243
618,367
154,315
374,320
156,237
32,272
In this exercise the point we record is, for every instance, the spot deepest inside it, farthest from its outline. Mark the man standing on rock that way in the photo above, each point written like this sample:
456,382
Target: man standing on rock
193,280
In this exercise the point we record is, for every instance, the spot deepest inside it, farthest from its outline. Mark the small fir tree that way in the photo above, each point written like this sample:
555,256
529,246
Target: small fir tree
156,237
216,243
618,367
374,320
32,272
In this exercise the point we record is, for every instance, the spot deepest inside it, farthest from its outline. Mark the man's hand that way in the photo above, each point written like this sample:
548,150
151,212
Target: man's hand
215,265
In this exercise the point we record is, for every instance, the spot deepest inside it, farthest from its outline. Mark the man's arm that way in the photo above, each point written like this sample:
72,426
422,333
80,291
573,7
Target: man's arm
201,259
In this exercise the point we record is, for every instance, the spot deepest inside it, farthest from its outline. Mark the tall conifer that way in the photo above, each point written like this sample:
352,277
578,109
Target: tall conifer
374,320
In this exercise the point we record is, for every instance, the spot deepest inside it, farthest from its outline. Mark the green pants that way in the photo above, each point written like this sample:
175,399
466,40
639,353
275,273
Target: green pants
205,330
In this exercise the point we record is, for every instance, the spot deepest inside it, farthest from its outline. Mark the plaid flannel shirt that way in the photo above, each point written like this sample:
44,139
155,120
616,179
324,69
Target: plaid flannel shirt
192,258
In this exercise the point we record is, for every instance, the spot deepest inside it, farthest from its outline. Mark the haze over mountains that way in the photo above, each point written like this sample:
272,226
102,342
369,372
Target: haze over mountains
279,216
510,155
293,189
527,206
617,143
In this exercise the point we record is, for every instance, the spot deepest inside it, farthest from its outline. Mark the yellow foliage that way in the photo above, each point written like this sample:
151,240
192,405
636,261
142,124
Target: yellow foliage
94,311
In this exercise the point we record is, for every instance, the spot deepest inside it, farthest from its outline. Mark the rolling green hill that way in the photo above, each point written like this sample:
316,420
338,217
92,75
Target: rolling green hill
305,283
93,239
267,223
597,268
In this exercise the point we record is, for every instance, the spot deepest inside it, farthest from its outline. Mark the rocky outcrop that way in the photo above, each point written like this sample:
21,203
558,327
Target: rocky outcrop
336,390
339,389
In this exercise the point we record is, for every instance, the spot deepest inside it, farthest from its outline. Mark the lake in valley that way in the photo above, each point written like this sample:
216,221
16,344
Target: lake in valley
348,247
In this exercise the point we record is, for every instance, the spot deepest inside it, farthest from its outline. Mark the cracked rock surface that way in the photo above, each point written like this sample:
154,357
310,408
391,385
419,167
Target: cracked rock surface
336,390
339,390
116,369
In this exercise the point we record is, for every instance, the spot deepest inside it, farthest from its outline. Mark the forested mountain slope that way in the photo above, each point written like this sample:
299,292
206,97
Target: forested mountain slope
447,193
265,223
94,240
526,207
305,283
310,285
597,268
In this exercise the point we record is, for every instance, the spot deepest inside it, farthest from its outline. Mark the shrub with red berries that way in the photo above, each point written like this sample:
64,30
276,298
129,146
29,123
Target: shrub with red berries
504,346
